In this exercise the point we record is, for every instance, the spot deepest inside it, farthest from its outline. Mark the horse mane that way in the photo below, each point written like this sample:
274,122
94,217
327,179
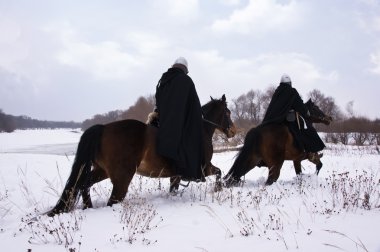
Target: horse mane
207,107
309,102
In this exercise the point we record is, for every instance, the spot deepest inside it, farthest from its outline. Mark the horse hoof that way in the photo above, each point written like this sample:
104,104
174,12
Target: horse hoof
319,166
269,182
174,189
86,207
218,187
52,213
232,182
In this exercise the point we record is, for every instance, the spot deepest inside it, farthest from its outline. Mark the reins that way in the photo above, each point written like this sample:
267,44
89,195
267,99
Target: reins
212,123
215,124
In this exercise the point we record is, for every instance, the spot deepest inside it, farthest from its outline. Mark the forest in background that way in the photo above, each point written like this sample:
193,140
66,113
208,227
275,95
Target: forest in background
9,123
247,111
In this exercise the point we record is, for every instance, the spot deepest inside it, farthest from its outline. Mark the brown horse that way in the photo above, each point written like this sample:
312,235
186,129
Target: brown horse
270,145
120,149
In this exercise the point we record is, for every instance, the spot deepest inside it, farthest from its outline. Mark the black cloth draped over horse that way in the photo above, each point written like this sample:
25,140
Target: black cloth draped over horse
285,99
180,114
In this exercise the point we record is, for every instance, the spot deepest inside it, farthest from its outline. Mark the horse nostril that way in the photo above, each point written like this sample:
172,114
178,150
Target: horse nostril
231,132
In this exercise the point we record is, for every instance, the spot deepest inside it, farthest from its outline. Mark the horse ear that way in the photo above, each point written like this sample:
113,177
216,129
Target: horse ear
211,98
223,98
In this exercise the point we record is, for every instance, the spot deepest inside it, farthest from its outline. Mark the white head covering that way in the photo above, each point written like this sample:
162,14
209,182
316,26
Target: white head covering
182,61
285,79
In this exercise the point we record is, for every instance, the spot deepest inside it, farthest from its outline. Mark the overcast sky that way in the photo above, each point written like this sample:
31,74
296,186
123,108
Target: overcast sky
70,60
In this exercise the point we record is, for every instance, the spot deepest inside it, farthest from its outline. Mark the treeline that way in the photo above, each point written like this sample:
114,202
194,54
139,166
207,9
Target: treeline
353,130
247,111
9,123
139,111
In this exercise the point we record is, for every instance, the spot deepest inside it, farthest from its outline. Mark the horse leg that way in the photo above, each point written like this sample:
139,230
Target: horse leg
297,166
96,175
315,158
274,173
120,187
174,183
87,203
246,161
209,170
218,178
318,167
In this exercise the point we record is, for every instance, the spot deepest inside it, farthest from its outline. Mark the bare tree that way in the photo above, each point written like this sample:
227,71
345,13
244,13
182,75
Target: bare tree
350,109
360,138
252,107
343,137
266,98
140,110
376,138
248,108
239,107
326,104
7,122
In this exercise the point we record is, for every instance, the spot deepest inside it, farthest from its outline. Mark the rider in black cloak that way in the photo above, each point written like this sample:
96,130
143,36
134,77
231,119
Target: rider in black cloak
180,121
287,106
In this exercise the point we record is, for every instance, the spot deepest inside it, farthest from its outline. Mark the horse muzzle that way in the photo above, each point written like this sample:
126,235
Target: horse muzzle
327,120
230,132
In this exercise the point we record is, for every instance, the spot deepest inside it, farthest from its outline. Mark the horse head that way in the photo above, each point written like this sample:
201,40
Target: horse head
217,114
316,114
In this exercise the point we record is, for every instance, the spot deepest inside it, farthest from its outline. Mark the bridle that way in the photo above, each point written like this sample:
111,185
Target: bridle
219,125
212,123
314,112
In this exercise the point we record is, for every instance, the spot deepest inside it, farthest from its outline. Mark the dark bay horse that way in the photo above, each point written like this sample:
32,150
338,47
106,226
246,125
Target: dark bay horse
121,149
270,145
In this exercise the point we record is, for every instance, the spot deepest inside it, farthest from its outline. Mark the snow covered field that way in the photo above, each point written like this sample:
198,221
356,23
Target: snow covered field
337,211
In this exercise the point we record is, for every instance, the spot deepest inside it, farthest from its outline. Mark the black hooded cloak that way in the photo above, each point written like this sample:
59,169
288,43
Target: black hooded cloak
284,99
180,114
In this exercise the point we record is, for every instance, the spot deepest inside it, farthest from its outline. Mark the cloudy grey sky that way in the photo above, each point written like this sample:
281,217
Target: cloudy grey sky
70,60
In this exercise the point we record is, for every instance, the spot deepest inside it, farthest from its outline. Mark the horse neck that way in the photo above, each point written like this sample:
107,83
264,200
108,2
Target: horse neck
210,115
208,130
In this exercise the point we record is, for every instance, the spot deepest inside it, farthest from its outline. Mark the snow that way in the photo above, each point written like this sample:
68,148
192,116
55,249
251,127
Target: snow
338,210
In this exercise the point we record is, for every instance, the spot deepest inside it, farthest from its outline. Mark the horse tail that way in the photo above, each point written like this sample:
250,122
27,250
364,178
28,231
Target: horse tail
79,178
246,157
